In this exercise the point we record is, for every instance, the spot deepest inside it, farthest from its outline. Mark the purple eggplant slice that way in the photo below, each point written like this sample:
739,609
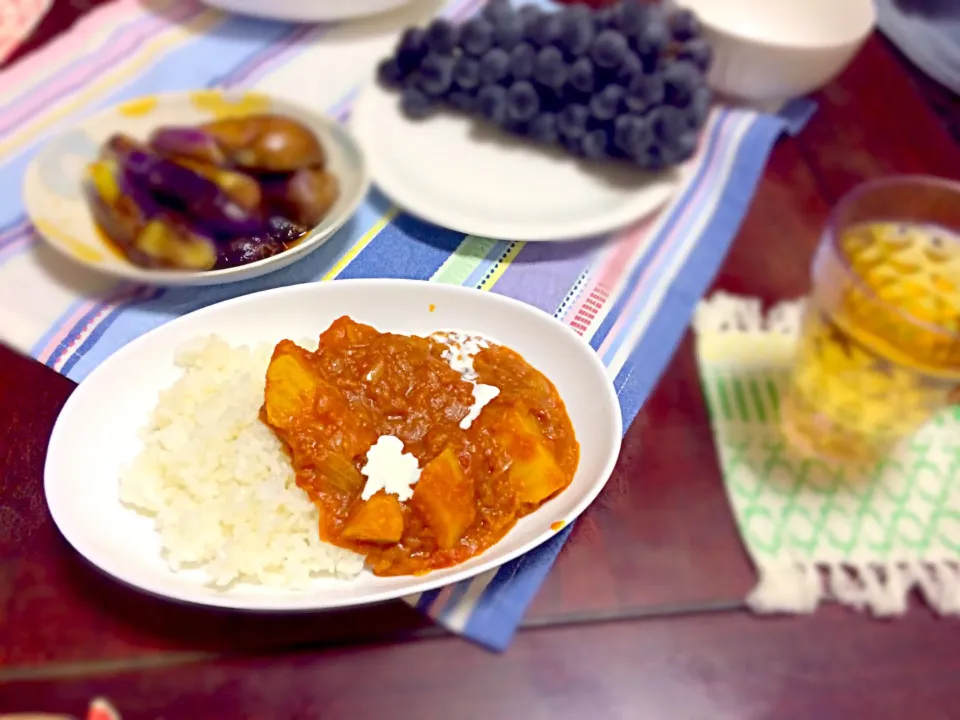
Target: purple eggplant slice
142,230
267,143
304,196
117,214
171,244
181,189
243,251
188,143
243,189
283,230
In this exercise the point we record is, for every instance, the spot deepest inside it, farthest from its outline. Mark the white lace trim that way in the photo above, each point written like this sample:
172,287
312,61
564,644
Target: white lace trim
723,313
881,588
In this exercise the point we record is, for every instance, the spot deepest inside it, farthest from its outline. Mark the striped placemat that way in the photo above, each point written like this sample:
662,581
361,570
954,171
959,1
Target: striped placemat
631,296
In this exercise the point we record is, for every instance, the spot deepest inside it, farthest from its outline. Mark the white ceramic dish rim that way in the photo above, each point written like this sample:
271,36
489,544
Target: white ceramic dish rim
310,242
309,602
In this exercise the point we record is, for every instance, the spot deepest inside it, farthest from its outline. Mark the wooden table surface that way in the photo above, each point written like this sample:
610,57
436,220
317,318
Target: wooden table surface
642,615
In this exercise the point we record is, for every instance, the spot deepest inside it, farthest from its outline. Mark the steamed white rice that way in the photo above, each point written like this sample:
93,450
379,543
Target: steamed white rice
218,484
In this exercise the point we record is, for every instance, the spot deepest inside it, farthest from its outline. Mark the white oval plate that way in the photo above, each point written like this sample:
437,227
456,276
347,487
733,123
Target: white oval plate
96,433
52,189
453,171
305,11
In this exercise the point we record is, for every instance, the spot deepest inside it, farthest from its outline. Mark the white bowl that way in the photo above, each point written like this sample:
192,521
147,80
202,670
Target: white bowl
53,196
307,10
780,49
96,432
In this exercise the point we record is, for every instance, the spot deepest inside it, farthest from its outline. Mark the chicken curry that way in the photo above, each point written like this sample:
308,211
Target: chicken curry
331,406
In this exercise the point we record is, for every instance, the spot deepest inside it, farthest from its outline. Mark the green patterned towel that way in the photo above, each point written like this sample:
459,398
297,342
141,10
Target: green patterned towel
814,530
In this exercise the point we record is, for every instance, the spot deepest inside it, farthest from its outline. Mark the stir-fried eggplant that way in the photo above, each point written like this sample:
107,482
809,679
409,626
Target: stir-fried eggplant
227,193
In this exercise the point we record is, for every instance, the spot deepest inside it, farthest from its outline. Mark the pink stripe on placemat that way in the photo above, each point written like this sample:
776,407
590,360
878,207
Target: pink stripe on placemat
74,76
440,602
693,205
37,64
89,313
79,311
614,268
17,20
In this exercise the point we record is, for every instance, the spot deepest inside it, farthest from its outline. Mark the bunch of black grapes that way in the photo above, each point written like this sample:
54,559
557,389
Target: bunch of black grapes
625,82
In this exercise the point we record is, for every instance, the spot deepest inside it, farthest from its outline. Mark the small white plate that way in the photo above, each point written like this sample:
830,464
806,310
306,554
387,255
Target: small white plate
455,172
52,185
97,431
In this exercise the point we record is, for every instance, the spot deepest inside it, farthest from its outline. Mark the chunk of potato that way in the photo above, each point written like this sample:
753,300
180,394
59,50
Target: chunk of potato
291,385
444,498
377,520
534,471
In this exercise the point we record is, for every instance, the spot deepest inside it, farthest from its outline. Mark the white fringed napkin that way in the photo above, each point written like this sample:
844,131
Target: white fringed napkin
816,530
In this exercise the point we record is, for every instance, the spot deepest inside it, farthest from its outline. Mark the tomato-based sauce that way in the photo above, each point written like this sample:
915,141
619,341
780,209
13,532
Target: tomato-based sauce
329,408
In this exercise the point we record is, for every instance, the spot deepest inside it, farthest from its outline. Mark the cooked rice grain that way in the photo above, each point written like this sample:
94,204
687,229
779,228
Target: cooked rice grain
218,484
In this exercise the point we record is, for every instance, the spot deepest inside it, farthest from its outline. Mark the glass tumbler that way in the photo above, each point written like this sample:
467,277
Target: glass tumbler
879,351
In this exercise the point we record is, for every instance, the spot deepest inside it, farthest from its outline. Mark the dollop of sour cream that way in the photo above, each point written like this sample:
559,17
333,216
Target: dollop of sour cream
482,395
390,469
461,348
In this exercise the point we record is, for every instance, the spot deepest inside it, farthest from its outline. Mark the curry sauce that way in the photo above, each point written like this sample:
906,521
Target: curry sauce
329,408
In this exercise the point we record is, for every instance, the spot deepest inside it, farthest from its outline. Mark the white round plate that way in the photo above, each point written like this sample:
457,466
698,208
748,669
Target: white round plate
97,431
52,186
308,10
454,171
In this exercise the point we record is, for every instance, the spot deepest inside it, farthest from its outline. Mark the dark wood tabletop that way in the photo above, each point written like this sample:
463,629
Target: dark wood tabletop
642,617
